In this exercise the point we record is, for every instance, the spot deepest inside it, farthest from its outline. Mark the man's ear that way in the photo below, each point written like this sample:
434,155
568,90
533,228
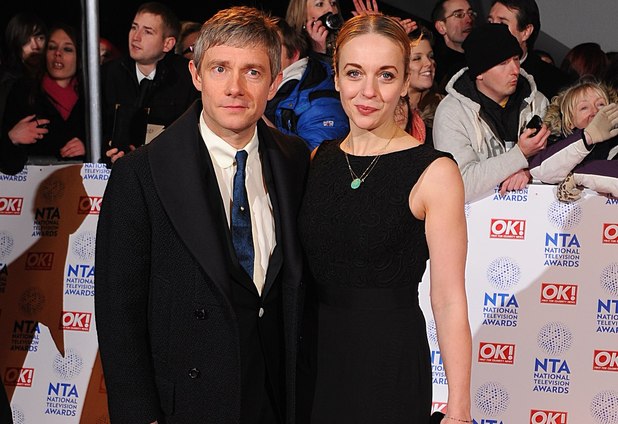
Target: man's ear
526,33
195,75
440,27
275,85
168,44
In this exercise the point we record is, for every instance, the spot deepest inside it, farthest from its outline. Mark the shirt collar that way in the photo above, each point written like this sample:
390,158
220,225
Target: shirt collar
294,71
220,151
141,76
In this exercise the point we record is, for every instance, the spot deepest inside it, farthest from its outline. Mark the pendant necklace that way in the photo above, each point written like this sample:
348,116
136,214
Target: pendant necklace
358,180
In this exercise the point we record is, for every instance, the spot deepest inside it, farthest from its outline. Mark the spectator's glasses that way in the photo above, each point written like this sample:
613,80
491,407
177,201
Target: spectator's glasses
188,50
460,14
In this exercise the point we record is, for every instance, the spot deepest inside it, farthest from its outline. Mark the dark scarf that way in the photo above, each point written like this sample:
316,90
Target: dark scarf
63,98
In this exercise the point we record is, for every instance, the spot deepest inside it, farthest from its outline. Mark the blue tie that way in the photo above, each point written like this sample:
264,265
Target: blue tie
241,217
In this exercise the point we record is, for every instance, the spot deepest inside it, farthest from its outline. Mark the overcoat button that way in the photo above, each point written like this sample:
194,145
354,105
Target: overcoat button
261,312
194,373
200,313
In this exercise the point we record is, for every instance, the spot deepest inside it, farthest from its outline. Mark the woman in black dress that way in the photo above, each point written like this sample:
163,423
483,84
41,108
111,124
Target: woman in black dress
378,205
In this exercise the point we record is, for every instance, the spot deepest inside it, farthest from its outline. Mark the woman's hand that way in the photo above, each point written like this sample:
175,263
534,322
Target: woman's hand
370,7
74,148
317,33
28,130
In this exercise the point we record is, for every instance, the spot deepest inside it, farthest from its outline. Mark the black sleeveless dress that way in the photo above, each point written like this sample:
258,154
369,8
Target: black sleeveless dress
367,253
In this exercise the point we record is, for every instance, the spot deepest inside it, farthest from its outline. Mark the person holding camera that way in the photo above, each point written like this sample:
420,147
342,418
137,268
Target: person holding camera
47,116
482,121
318,20
306,103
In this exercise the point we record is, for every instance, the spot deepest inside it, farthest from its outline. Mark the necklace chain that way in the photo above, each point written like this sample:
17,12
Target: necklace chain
358,180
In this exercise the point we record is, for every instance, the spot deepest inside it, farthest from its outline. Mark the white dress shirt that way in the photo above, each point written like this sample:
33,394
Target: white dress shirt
223,158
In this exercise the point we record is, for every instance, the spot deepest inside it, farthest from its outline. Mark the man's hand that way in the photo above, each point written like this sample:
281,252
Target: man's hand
530,146
28,130
517,181
75,147
604,125
115,154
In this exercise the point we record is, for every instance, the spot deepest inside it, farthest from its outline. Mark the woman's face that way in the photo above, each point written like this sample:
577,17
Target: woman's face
316,8
61,57
35,45
370,85
422,67
586,107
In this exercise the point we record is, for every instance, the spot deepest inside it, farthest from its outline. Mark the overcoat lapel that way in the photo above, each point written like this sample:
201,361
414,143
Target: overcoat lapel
190,195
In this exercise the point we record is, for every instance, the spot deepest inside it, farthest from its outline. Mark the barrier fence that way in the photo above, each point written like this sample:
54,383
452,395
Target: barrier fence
542,284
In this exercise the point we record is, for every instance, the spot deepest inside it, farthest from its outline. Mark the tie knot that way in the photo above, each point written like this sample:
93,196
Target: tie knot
241,159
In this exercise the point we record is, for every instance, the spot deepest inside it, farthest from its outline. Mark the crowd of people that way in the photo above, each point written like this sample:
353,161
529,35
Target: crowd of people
240,146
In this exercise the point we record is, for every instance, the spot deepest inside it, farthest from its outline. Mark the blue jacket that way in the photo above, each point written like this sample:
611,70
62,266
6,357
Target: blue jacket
310,108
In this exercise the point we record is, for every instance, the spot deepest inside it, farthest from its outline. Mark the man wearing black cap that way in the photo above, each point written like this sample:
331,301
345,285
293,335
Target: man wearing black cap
482,120
524,22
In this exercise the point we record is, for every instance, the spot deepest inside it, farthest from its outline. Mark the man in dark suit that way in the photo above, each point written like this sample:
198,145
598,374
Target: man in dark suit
198,276
524,22
152,77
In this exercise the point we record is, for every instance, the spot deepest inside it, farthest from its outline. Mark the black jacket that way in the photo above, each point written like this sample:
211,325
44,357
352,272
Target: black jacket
549,79
177,320
169,96
28,98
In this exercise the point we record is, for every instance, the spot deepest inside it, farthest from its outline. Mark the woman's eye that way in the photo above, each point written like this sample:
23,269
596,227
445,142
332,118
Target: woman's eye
387,75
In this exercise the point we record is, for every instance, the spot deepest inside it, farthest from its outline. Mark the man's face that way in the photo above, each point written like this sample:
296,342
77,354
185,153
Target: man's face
236,83
454,29
500,14
499,82
147,41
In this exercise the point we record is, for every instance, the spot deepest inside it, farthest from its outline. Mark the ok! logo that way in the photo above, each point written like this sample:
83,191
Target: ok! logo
539,416
507,228
610,233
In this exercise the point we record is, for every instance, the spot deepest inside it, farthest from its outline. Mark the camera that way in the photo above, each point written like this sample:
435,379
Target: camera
331,21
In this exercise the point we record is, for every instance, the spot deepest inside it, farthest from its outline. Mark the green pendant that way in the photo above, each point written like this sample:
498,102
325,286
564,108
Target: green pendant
355,183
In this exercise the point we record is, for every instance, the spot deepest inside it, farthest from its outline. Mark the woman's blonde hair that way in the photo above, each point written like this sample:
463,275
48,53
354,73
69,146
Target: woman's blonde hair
296,14
560,113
